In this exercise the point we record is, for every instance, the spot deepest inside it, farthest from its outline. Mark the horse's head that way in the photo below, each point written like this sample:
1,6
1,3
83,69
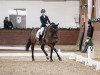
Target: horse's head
55,26
53,29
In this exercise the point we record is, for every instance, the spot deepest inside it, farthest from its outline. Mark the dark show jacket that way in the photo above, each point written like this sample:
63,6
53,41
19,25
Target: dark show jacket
8,24
90,31
44,20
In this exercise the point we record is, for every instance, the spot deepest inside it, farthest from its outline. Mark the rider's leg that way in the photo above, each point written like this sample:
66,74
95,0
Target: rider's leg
41,30
41,33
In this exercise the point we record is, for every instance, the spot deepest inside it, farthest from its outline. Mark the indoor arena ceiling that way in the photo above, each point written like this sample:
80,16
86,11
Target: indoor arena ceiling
39,0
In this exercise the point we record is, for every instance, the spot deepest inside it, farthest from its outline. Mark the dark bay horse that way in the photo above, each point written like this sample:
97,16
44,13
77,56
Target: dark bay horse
50,38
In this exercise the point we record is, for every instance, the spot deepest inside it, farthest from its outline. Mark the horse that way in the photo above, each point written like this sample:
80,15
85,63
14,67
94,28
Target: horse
50,38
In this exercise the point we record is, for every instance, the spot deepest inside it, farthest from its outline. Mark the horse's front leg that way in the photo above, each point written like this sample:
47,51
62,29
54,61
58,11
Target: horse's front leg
32,48
57,54
42,47
51,55
51,46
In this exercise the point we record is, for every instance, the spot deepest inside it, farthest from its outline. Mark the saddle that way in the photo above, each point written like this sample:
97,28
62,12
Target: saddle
39,36
43,35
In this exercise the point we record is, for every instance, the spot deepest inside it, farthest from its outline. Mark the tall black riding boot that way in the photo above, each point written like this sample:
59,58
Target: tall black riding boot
40,39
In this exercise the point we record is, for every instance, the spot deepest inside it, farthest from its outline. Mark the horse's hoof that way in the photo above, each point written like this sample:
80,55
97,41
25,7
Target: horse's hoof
33,60
27,50
47,58
60,59
51,60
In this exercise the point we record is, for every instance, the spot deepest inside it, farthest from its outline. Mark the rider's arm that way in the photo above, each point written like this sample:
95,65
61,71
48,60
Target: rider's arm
48,20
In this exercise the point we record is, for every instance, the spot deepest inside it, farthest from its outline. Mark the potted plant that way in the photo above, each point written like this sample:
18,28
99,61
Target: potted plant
90,48
90,43
87,44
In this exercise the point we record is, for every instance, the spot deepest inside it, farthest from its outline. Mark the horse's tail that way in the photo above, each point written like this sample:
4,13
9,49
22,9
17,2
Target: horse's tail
28,44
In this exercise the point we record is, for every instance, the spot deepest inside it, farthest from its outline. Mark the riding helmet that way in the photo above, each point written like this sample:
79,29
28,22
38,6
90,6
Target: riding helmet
43,11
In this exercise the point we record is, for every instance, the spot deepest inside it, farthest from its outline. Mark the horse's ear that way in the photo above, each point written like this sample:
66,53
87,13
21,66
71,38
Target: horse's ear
57,24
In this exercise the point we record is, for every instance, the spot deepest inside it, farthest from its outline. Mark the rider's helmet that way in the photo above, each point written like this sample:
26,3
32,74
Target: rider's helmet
43,11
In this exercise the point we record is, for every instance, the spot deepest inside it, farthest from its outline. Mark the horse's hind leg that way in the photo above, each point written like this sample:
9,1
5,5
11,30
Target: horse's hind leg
57,54
42,47
28,44
32,48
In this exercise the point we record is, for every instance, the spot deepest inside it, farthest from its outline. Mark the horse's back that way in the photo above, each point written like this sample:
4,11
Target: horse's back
33,34
34,31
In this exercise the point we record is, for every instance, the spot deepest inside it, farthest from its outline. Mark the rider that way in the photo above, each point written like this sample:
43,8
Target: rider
44,21
90,29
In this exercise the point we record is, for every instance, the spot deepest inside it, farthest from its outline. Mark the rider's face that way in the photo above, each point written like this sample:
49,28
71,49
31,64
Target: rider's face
43,14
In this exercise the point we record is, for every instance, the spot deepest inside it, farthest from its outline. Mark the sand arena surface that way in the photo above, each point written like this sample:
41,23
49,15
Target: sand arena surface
41,66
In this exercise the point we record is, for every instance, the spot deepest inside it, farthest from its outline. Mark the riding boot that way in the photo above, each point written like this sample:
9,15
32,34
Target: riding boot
40,39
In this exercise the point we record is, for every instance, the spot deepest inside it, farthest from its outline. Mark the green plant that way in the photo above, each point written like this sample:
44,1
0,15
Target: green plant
90,43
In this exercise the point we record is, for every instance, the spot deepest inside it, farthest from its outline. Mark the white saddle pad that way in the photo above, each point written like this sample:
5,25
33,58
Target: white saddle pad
38,33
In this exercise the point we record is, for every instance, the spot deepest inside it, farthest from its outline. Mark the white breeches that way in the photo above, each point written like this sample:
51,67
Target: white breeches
40,32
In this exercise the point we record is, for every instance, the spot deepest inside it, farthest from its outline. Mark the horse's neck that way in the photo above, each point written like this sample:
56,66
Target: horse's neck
46,32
